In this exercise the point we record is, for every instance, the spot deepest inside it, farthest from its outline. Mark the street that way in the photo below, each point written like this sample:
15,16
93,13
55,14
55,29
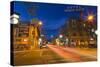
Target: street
54,54
37,56
45,34
75,54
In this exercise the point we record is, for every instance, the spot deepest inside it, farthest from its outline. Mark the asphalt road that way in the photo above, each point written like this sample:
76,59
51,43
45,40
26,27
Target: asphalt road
37,56
54,54
75,54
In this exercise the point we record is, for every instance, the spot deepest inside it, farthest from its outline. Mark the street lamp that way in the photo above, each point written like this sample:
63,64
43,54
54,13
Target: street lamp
60,36
90,18
40,23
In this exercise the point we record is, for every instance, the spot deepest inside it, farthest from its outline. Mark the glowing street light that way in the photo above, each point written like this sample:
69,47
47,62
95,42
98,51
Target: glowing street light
90,18
40,23
60,36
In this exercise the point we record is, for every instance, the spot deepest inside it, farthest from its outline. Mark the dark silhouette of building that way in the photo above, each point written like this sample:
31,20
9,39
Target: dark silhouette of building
79,31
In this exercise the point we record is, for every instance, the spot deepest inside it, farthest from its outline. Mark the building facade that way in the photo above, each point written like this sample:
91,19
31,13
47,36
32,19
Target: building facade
25,35
80,32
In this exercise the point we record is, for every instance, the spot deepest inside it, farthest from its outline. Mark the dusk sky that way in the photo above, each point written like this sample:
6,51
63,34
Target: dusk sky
53,16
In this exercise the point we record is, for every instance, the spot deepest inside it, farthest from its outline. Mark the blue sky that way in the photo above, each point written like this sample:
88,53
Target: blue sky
53,16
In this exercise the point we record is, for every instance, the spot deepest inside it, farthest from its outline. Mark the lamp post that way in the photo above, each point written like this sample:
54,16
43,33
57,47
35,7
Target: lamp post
90,18
40,23
61,39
